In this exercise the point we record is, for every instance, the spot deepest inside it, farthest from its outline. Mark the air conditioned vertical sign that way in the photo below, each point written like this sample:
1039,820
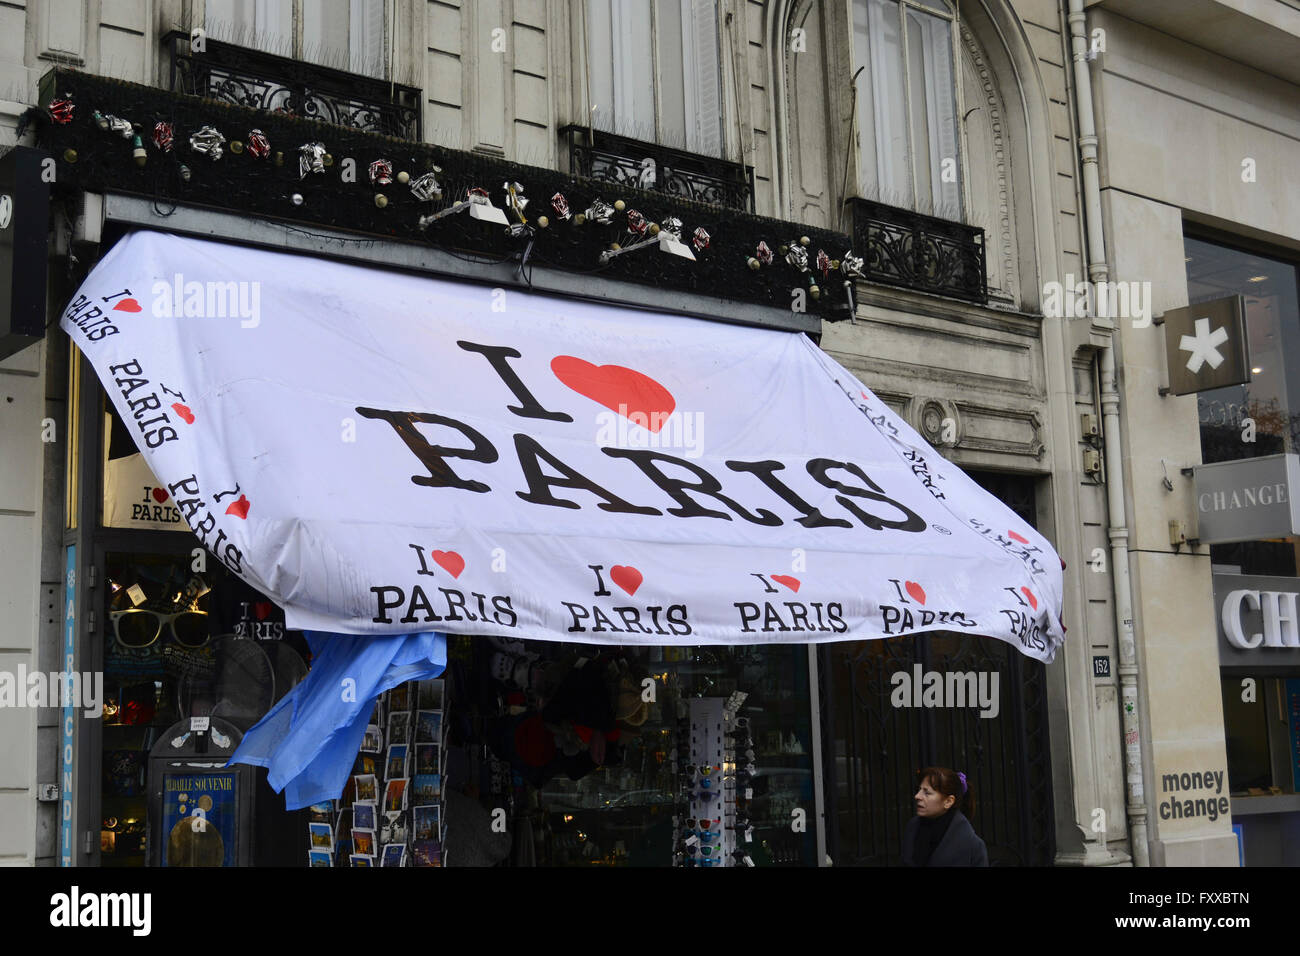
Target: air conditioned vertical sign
69,719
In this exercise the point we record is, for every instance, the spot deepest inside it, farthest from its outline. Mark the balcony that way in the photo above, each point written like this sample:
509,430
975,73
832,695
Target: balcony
263,81
907,249
630,162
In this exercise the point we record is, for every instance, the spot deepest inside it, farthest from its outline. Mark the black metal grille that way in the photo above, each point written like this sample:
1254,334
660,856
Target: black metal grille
263,81
631,162
874,749
908,249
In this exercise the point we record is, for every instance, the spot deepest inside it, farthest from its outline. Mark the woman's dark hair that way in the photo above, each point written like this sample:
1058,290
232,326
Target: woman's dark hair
948,783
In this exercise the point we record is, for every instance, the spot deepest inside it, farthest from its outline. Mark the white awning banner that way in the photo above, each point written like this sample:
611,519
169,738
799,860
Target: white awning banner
387,453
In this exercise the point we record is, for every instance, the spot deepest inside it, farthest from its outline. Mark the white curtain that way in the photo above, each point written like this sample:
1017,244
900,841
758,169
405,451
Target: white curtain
887,89
906,107
934,113
258,24
630,44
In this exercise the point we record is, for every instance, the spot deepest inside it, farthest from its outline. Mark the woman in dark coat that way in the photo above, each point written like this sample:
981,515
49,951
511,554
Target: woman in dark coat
940,834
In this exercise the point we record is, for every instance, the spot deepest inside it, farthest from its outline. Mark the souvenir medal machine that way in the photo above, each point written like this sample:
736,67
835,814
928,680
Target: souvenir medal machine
201,811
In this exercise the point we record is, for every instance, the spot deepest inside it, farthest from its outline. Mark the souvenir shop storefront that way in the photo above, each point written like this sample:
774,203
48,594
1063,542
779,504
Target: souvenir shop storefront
382,568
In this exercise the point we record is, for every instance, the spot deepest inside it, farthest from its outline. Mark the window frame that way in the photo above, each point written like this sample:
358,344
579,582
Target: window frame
928,207
358,12
622,72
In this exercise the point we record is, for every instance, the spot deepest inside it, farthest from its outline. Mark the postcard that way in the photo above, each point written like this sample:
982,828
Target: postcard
426,822
322,836
394,829
397,761
428,727
395,794
373,741
320,858
399,698
361,859
427,853
426,758
428,787
363,841
363,815
321,812
367,788
430,694
399,728
394,855
365,763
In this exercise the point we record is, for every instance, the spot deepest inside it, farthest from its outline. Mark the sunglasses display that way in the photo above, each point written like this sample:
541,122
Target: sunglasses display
138,628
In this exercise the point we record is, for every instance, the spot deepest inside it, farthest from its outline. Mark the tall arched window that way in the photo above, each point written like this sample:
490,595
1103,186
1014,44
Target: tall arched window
908,144
655,71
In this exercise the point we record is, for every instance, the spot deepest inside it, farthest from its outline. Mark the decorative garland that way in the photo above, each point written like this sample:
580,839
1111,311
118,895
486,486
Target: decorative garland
107,135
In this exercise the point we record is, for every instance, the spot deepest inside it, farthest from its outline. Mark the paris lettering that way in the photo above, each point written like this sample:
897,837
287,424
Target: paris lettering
144,403
910,614
635,619
1025,627
803,617
1013,544
419,605
148,508
693,491
191,503
90,318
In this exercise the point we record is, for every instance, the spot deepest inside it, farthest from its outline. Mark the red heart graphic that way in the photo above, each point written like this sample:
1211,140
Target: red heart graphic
1015,537
184,412
159,495
239,508
915,590
1033,601
449,561
629,579
622,390
126,305
791,583
262,609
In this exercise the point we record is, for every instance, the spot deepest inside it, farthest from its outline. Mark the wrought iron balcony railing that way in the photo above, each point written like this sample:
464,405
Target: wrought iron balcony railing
631,162
264,81
908,249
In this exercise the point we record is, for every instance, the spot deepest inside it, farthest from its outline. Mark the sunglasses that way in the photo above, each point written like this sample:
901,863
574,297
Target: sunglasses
137,627
703,850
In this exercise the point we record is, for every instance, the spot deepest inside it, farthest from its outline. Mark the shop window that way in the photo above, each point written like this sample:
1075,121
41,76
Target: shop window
592,773
1273,338
908,147
178,643
1245,726
1262,417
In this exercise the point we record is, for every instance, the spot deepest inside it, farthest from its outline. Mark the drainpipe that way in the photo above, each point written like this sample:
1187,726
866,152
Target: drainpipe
1116,529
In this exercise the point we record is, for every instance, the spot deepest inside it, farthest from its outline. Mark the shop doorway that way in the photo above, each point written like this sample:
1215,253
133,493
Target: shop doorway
874,748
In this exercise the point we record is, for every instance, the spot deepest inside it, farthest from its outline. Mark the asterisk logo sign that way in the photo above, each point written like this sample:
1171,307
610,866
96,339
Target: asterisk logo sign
1203,346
